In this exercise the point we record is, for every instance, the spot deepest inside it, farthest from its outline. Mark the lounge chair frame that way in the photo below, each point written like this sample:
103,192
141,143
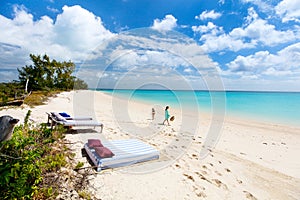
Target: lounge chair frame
69,122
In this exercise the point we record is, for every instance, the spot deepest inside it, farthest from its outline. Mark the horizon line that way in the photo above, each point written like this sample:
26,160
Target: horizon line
196,90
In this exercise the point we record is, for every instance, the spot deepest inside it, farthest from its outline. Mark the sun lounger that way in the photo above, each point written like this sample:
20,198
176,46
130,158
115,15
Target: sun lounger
66,116
126,152
55,119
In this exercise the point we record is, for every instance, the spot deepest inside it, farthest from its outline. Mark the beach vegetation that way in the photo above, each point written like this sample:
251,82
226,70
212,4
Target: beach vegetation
79,165
26,159
43,78
46,75
10,91
85,195
39,97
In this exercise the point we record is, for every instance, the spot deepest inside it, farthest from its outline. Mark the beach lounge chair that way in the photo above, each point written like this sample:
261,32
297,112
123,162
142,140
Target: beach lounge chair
56,118
65,116
124,153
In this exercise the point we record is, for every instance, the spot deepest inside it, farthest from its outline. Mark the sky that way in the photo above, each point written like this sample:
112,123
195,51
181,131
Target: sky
177,44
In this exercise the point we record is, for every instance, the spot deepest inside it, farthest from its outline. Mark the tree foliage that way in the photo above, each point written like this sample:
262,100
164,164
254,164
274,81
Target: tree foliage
46,74
10,91
42,76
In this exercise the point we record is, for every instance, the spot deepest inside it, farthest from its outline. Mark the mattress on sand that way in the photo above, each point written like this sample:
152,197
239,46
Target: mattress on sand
126,152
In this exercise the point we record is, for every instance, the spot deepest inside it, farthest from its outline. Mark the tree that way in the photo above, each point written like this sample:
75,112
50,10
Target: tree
46,74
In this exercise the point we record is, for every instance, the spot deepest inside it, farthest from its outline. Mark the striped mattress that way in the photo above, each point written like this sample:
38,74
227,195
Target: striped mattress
127,152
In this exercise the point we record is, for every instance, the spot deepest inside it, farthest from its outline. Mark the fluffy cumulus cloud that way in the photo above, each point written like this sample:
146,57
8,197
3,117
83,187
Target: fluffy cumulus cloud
215,39
147,56
79,29
208,15
166,24
150,58
256,31
73,34
289,10
284,63
274,49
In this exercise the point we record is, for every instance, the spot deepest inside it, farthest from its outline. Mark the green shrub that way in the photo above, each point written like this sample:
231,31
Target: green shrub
25,158
79,165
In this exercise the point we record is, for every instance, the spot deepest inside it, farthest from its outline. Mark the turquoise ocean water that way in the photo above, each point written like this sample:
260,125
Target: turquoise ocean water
273,107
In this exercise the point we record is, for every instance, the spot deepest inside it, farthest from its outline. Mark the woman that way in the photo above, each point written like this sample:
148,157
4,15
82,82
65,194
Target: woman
167,115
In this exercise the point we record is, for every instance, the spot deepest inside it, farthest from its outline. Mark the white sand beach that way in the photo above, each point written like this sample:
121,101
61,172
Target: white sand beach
251,160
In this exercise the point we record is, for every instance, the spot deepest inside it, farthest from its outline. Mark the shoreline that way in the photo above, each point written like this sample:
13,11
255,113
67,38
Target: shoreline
228,113
250,160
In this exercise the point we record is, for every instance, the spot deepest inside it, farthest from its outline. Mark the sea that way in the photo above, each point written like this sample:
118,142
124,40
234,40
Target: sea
282,108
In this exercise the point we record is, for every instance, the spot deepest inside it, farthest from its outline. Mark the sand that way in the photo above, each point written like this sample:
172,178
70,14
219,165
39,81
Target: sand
245,159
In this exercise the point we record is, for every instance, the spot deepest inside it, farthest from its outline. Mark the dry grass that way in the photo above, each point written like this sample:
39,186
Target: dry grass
39,97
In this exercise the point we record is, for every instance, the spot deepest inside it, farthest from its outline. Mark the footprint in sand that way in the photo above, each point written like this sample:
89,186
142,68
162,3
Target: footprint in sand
249,195
198,193
202,172
203,177
195,156
239,181
189,177
201,194
178,166
218,173
227,170
198,187
219,183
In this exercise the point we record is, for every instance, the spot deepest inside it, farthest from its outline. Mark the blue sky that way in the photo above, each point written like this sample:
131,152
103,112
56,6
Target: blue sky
246,44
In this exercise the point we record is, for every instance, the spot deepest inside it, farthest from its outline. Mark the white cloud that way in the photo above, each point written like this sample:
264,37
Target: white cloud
188,70
252,63
7,76
289,10
215,39
54,10
79,29
167,24
210,27
153,60
143,56
284,63
256,31
273,72
259,30
208,15
257,84
73,34
262,5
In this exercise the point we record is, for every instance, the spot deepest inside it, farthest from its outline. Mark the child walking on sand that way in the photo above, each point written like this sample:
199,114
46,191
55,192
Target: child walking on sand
153,113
